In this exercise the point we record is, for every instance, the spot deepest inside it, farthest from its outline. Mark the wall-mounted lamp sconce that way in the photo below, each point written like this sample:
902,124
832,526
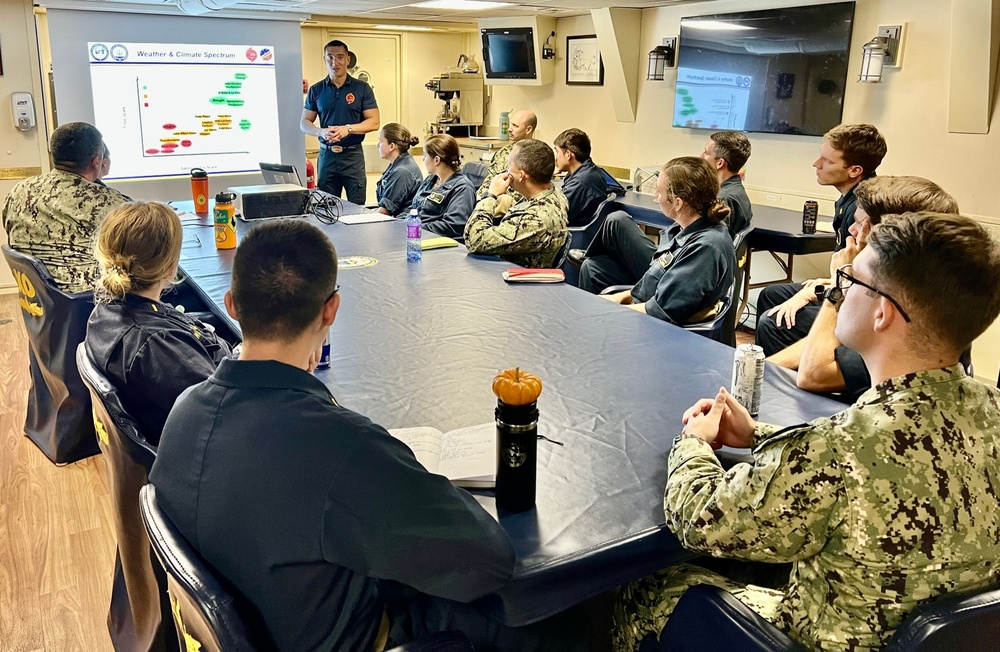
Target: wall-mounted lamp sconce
883,50
660,58
548,52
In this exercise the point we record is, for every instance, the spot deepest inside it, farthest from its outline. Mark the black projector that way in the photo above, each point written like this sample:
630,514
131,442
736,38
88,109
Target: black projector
276,200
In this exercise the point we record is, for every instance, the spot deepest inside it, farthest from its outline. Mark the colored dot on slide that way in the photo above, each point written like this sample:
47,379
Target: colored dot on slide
185,143
152,151
170,126
240,75
218,100
234,102
244,124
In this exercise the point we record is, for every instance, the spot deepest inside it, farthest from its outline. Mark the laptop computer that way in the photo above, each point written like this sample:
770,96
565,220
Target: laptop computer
275,173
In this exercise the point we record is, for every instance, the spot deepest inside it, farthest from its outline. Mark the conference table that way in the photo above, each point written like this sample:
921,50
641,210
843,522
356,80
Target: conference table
418,344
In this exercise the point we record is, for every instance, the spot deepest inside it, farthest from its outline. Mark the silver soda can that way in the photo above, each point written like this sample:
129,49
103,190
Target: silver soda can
748,376
324,358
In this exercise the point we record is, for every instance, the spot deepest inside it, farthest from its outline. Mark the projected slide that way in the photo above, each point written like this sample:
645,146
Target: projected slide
167,108
711,100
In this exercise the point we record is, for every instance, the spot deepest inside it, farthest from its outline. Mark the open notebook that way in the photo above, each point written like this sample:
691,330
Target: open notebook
466,456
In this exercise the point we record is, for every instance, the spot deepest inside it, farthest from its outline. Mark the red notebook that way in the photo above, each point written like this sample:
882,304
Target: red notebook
518,275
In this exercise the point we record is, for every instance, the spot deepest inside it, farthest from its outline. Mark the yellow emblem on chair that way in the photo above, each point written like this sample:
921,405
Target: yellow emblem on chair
102,434
191,644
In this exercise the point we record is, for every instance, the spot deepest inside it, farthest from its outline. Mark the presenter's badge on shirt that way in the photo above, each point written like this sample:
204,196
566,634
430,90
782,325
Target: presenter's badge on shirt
666,259
350,98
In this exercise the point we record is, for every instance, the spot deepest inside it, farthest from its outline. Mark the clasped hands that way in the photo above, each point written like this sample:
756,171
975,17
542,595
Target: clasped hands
335,134
720,421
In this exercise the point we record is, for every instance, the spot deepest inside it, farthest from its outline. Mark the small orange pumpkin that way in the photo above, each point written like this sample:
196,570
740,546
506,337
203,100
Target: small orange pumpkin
516,387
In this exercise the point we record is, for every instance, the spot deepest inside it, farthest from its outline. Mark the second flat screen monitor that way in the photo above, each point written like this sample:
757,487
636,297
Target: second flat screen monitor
777,71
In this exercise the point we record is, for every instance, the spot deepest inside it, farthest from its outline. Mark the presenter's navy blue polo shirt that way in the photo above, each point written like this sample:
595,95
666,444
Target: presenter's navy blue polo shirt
341,106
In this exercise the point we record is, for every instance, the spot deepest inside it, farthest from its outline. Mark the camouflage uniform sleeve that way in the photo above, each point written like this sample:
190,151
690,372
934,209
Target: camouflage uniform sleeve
497,165
480,220
779,509
523,230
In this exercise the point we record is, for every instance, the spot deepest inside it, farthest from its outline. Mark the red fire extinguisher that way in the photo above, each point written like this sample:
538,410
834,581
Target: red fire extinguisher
310,174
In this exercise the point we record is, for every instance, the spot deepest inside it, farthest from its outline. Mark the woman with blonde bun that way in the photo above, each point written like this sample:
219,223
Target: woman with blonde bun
149,351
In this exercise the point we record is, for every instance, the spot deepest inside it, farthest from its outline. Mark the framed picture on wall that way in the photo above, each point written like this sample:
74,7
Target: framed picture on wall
584,66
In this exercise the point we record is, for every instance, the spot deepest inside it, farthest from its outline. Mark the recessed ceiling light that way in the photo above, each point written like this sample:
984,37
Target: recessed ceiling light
461,5
717,25
405,28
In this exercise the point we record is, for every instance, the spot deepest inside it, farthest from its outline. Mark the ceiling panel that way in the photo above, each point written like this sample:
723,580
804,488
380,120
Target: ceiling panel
388,9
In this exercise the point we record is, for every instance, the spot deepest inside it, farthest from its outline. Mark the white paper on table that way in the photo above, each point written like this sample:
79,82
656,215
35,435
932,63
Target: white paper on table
365,218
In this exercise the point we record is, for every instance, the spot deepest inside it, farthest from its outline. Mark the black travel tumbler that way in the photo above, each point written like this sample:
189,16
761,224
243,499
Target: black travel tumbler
517,455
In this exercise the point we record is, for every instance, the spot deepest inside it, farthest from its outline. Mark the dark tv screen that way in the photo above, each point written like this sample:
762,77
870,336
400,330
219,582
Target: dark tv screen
509,53
776,71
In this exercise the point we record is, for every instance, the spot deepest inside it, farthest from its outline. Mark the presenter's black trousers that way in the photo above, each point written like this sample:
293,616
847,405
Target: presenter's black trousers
339,171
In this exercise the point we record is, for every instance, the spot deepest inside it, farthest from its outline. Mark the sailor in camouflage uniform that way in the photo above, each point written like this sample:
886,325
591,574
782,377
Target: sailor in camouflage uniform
54,216
881,507
522,127
534,230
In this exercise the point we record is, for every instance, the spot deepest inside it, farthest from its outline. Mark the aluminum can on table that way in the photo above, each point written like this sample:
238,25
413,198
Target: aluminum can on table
324,358
748,376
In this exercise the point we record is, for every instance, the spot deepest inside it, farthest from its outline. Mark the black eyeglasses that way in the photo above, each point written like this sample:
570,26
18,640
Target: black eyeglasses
336,289
845,280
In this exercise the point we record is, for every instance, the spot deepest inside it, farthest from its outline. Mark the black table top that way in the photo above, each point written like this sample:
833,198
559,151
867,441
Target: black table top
419,343
775,229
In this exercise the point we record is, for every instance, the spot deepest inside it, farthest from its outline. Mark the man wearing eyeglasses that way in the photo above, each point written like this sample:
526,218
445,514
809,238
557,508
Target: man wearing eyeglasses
54,216
823,363
881,507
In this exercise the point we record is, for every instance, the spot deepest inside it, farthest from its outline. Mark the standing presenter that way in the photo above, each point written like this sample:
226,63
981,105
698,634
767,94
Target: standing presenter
347,111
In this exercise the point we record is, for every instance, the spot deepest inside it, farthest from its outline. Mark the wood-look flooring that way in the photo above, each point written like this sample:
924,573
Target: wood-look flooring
57,543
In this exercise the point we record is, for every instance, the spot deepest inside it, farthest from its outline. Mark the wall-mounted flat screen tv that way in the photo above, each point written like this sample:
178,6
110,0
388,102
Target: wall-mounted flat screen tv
776,71
509,53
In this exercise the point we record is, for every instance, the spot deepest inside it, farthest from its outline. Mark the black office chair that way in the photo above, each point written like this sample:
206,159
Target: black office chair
139,618
563,256
580,237
709,618
204,611
741,245
59,420
712,328
583,235
715,328
476,172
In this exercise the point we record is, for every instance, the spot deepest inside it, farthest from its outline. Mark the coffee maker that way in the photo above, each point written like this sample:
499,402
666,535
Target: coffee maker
462,94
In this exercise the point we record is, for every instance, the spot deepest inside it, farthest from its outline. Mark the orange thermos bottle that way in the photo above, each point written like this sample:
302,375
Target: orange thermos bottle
199,191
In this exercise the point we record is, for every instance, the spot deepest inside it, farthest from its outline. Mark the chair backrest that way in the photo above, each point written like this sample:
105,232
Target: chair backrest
58,420
476,172
714,328
966,622
140,614
563,255
582,236
741,280
203,609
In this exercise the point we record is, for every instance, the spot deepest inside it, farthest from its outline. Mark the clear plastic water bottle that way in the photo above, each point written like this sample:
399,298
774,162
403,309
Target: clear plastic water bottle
413,249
